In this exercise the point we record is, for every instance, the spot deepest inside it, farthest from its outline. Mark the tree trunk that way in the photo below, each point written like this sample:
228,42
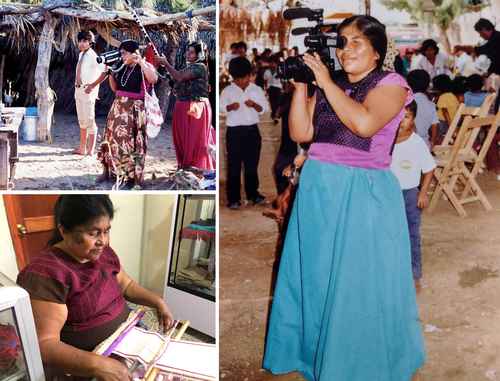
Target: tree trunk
44,94
444,39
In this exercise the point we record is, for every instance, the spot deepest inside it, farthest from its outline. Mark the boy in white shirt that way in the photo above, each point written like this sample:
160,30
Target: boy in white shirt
427,119
273,86
243,103
89,74
410,158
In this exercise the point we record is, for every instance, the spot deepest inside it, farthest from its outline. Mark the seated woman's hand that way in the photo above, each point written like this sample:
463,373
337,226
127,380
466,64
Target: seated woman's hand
165,317
112,370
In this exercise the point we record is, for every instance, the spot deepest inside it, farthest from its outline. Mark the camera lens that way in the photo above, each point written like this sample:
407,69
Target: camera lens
295,68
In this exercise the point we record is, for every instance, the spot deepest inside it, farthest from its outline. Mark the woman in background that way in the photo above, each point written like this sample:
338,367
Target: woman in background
124,146
191,124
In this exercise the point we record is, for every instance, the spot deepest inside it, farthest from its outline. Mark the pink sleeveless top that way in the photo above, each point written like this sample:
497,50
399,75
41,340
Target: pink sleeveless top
335,143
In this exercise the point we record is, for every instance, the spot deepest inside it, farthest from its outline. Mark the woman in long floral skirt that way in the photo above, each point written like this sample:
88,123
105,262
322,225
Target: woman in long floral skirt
124,146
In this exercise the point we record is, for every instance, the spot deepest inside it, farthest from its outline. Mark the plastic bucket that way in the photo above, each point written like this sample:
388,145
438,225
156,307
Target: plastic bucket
31,111
29,128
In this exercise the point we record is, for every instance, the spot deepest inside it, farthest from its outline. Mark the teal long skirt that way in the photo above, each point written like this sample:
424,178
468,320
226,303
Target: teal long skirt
344,307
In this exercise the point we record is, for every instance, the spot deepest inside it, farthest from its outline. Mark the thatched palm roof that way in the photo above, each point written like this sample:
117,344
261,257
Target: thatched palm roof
22,23
23,33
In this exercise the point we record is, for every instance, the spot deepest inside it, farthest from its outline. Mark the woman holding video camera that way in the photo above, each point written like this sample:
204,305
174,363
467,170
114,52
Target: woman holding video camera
124,145
191,124
344,307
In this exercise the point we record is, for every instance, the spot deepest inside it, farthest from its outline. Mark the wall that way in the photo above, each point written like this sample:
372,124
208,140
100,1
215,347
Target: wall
126,231
8,264
158,211
142,243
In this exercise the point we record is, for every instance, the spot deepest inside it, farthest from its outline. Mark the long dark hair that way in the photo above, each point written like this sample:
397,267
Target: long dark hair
200,52
373,30
72,210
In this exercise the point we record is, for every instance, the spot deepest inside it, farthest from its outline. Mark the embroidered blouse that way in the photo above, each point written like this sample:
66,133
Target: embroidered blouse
90,291
196,88
333,142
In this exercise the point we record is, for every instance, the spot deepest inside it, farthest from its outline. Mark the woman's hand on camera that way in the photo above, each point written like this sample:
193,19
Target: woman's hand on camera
297,85
320,70
112,370
132,59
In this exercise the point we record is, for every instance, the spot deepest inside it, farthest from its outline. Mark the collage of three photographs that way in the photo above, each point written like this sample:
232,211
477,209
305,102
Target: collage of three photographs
249,190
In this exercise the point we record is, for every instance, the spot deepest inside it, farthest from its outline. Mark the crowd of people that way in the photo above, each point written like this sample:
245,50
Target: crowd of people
123,149
364,140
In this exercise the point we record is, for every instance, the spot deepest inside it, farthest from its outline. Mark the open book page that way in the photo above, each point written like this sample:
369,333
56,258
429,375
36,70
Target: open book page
140,344
198,360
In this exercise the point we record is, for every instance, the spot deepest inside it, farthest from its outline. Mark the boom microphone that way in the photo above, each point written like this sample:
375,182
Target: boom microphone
302,13
300,30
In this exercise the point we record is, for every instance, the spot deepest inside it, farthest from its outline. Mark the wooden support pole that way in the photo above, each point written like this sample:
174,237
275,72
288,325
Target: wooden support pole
2,65
44,94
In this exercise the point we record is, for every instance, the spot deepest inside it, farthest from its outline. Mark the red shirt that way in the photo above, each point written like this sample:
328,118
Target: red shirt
90,291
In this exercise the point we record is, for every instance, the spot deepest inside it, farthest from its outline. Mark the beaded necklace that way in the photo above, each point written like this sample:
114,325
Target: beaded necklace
122,82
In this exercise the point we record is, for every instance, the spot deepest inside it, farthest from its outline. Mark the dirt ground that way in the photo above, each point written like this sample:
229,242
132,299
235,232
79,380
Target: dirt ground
459,304
44,166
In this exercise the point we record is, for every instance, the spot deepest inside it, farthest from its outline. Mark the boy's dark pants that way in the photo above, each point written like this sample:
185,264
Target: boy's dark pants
413,217
243,144
274,99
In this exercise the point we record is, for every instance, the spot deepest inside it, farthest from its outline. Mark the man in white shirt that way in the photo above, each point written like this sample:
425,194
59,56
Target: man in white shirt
464,63
243,103
89,74
431,60
410,158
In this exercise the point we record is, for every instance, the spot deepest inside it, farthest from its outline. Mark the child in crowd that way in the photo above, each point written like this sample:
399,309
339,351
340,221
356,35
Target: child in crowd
243,103
411,157
273,86
459,87
288,148
426,119
474,96
447,103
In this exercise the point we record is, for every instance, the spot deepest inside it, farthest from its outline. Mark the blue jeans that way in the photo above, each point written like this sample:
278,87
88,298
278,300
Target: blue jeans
413,217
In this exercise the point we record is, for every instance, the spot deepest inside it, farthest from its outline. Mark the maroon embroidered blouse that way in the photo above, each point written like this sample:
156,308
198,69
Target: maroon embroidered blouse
96,306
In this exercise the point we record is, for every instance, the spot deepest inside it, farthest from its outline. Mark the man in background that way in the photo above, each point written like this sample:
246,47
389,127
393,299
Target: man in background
89,74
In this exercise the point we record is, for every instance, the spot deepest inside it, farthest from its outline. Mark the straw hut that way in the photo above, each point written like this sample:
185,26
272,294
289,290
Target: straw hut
253,22
38,48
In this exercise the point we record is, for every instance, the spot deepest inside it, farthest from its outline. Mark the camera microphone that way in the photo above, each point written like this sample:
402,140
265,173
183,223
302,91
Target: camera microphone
302,13
326,28
300,30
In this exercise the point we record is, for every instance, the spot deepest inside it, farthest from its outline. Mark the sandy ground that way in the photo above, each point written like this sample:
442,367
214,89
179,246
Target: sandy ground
459,303
53,166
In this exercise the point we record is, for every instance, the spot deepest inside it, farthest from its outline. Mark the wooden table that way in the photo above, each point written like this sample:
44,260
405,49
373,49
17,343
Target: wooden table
9,139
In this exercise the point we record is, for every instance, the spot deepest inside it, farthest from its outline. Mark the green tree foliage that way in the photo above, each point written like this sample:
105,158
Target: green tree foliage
174,6
443,14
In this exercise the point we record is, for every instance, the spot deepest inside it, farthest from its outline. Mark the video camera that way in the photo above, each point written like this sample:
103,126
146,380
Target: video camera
113,57
316,40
